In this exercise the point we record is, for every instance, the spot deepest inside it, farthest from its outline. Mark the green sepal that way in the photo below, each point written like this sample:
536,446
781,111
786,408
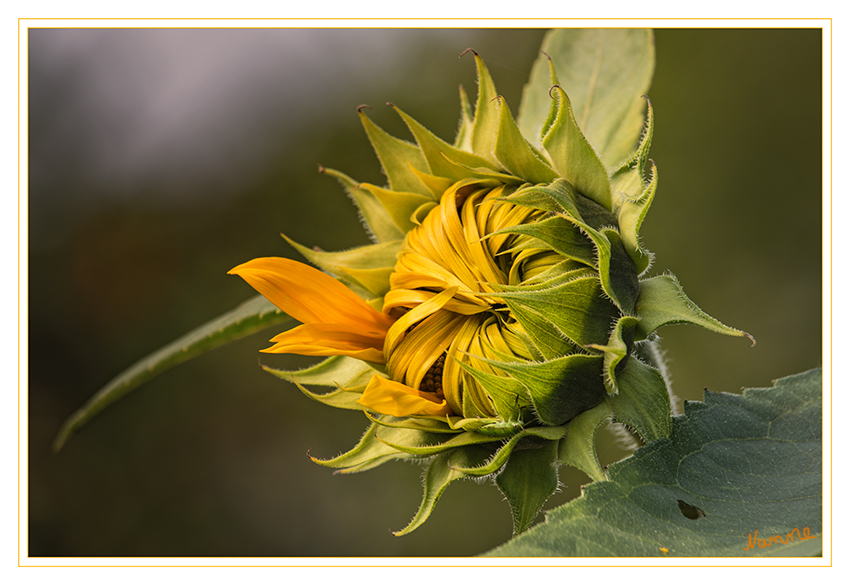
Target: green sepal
616,269
429,424
516,154
498,177
553,105
486,122
593,214
560,388
560,234
542,334
628,178
379,222
643,402
367,266
618,348
529,478
540,197
374,280
398,157
573,156
376,462
578,447
426,444
364,455
344,398
401,206
463,140
575,307
436,185
437,150
336,371
438,476
500,457
630,218
507,394
663,302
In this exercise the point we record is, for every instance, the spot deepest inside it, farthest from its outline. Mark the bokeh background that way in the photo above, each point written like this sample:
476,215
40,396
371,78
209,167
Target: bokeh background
159,159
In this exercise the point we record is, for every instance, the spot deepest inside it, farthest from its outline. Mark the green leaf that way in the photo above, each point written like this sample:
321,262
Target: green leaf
527,481
249,317
604,71
738,470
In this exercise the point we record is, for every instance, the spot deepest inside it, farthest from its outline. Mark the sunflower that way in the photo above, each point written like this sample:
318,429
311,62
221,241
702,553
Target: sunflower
501,314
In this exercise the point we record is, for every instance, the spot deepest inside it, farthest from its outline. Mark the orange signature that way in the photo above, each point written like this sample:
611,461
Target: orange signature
754,539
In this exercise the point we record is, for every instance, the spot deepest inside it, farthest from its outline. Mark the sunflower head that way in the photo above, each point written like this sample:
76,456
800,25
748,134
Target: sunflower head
502,312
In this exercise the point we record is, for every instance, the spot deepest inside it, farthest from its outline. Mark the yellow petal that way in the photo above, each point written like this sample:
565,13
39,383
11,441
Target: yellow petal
395,399
323,339
310,295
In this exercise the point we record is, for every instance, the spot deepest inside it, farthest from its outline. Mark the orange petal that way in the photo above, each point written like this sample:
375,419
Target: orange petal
329,339
395,399
310,295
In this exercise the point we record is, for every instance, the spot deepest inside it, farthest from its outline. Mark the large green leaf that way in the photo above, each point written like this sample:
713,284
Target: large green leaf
739,476
604,71
247,318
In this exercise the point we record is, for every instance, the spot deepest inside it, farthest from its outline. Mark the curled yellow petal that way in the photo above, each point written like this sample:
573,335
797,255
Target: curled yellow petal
310,295
395,399
323,339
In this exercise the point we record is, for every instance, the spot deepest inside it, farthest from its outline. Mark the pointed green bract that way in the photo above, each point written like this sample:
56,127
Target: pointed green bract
486,123
379,222
573,156
527,481
663,302
437,478
335,371
400,206
439,153
576,308
642,403
604,71
367,266
578,447
561,388
463,141
516,154
630,218
398,158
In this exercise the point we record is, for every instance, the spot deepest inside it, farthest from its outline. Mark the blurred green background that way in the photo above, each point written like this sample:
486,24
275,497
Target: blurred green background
159,159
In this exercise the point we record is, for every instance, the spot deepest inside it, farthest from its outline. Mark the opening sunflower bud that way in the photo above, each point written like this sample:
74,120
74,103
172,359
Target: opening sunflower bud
501,315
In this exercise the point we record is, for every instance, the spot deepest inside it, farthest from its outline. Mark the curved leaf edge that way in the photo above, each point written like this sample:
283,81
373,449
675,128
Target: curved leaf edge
250,317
